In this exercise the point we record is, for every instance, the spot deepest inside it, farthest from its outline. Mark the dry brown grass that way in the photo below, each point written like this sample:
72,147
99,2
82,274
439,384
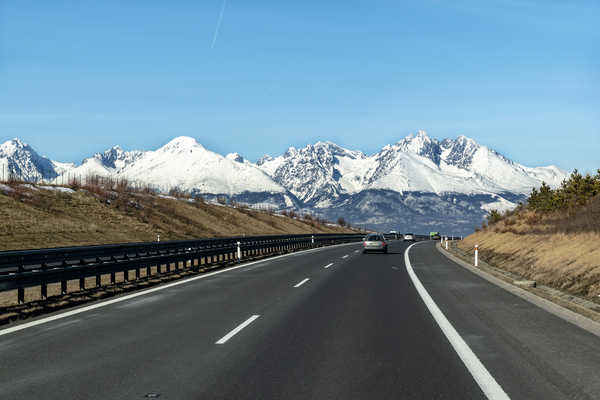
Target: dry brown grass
41,218
548,249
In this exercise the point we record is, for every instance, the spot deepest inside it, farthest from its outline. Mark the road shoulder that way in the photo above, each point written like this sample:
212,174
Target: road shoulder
564,313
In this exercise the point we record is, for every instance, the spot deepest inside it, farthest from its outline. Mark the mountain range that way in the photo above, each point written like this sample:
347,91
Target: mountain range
419,183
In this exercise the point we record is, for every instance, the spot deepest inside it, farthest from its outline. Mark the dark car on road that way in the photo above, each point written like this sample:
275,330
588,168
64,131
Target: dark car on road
375,242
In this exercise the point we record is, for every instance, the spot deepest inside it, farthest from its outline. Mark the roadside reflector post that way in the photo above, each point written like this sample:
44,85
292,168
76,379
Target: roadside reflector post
476,255
446,243
239,252
312,240
158,238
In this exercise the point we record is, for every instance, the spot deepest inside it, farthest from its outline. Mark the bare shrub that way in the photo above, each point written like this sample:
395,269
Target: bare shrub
178,193
533,219
199,199
75,183
341,221
13,179
493,217
122,185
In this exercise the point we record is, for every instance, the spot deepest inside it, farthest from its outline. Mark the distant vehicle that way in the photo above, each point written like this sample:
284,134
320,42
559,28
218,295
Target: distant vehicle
375,242
409,237
395,234
435,236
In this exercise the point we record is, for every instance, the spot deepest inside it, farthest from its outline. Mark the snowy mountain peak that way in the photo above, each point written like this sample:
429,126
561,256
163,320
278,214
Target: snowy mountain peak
181,143
326,144
116,157
264,159
420,144
20,159
13,145
235,157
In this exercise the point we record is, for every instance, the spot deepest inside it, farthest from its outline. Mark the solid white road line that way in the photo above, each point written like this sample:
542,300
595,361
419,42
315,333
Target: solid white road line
241,326
484,379
302,282
76,311
346,256
328,265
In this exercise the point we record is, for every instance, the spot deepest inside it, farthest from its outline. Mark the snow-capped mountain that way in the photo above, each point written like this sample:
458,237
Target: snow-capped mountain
317,174
20,160
186,164
418,183
182,163
107,164
321,173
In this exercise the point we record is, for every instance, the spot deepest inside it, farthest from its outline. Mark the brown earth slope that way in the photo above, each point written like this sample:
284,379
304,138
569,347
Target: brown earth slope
561,249
33,217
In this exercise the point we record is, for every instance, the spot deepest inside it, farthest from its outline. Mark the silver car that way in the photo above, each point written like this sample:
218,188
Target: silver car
409,237
374,242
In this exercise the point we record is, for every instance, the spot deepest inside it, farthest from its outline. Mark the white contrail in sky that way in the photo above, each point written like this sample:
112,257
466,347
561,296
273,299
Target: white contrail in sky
218,24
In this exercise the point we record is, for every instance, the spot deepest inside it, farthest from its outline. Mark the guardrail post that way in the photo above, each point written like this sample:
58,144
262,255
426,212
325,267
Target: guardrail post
20,289
82,280
44,286
239,252
113,277
476,255
63,283
98,276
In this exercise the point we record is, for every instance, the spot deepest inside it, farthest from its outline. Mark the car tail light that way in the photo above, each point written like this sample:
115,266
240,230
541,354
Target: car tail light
383,243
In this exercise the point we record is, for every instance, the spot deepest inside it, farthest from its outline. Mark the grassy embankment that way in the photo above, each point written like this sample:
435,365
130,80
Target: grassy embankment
32,217
554,239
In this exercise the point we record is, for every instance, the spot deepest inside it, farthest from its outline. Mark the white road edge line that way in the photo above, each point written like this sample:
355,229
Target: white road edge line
76,311
484,379
346,256
328,265
302,282
241,326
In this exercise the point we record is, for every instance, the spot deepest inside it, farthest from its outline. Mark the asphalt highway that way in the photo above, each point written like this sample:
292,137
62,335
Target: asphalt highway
329,323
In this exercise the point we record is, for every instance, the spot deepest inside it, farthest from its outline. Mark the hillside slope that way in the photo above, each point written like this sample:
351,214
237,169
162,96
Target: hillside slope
43,216
559,249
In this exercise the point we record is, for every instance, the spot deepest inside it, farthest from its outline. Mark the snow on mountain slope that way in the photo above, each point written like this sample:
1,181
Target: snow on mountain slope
418,183
21,160
116,158
186,164
323,172
317,173
320,175
107,164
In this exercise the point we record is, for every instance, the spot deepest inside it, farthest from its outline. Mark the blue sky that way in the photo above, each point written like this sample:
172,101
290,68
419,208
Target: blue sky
522,77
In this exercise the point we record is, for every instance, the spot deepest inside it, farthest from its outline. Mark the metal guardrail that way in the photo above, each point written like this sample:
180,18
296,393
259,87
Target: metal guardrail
400,236
29,268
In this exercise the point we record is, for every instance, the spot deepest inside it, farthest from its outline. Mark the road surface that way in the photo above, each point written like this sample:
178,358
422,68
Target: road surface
329,323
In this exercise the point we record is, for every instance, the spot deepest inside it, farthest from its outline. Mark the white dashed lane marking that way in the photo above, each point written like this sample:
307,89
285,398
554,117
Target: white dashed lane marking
241,326
302,282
